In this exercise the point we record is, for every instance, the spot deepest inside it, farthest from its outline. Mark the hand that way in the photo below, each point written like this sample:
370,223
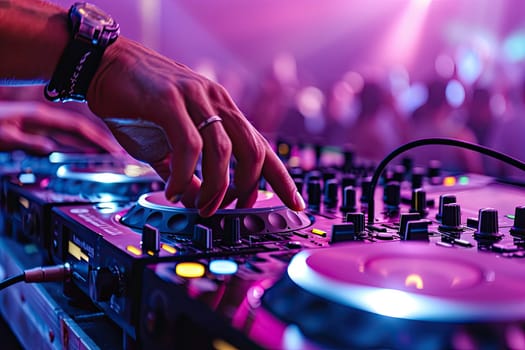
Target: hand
40,129
136,83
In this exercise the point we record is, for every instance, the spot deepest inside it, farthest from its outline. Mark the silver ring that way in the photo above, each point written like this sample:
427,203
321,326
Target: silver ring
210,120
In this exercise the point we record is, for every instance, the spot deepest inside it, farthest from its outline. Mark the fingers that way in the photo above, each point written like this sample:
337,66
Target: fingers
12,138
282,184
215,168
186,144
254,157
68,129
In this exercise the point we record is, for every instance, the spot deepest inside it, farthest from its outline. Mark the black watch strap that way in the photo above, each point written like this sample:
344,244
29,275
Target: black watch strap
91,32
74,72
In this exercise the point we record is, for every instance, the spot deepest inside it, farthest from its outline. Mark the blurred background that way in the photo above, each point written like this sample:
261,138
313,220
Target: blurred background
371,75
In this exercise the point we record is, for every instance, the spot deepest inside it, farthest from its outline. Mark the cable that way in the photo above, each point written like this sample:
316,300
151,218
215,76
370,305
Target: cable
11,280
40,274
433,141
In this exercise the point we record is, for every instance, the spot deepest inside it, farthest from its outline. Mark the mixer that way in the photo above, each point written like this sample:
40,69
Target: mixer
437,266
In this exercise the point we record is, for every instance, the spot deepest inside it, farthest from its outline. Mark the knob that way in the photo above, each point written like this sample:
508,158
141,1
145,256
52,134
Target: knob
399,173
416,230
488,227
518,229
328,174
348,165
349,200
419,202
318,150
358,219
434,172
365,190
392,196
403,222
232,231
443,200
343,233
104,282
418,175
451,220
299,183
313,189
408,163
347,180
330,194
150,239
203,237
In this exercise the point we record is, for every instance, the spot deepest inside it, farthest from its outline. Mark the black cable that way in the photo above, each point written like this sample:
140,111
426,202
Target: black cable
433,141
11,280
40,274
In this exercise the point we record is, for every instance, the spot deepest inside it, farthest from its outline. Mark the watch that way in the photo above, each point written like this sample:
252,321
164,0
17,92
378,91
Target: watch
91,32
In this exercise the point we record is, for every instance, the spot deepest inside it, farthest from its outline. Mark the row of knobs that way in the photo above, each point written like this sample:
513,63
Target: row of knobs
322,187
486,224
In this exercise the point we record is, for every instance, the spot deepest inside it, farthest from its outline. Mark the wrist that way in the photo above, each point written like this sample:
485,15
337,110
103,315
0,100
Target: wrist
91,32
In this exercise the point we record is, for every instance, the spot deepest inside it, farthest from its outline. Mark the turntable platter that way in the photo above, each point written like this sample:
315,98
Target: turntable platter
401,293
268,215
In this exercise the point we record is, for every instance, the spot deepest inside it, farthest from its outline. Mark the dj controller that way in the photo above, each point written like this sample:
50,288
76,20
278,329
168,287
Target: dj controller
440,266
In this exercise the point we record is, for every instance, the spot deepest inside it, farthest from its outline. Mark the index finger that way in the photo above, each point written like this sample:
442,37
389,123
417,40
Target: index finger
281,182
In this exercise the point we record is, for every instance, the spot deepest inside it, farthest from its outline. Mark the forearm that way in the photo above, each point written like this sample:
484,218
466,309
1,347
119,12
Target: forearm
33,35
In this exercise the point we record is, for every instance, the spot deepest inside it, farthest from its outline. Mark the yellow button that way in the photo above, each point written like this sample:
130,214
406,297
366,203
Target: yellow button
319,232
134,250
449,181
189,269
169,248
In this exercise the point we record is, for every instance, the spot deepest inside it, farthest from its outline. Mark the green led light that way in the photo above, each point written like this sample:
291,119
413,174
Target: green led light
510,216
463,180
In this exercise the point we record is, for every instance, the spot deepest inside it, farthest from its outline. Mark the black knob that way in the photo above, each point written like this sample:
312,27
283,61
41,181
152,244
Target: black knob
343,233
150,239
330,194
416,230
232,230
347,180
358,219
349,200
365,190
434,172
202,237
399,173
313,189
419,202
488,227
328,174
451,219
392,196
104,282
299,184
318,151
348,160
403,222
518,229
418,175
444,199
408,163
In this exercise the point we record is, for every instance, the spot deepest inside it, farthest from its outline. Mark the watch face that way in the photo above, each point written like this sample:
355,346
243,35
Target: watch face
93,13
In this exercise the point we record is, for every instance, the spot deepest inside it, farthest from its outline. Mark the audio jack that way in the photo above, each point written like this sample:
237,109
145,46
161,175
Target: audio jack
56,273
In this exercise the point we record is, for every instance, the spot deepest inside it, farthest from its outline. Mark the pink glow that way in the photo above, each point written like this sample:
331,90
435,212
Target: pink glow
326,38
